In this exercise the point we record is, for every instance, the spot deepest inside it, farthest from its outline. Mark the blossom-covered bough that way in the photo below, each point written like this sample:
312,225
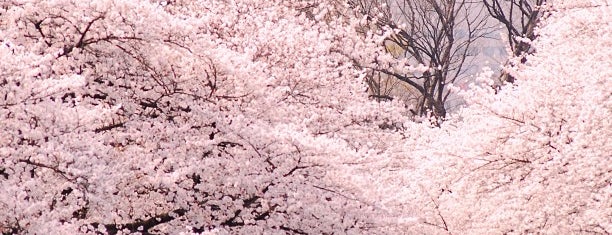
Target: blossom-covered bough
534,157
141,116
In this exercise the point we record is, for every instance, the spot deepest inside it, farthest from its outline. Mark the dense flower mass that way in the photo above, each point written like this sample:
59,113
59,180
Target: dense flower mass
242,116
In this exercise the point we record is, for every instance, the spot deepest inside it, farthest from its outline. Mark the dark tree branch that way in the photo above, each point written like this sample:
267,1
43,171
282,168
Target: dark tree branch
141,226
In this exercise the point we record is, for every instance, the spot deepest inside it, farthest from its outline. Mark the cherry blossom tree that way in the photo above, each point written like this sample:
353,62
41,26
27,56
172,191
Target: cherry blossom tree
533,157
236,117
144,116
